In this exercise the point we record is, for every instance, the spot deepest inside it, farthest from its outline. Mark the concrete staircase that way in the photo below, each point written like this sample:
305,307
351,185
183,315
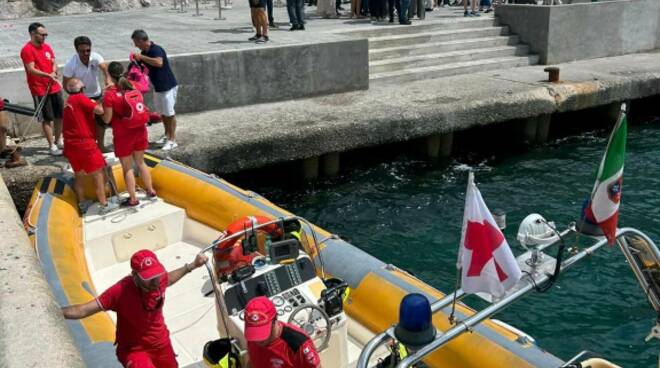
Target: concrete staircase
434,49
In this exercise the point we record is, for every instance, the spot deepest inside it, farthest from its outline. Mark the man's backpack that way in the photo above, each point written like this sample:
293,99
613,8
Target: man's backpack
138,74
137,113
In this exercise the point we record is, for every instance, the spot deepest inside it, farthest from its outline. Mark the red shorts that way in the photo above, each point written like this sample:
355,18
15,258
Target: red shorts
130,141
84,159
152,358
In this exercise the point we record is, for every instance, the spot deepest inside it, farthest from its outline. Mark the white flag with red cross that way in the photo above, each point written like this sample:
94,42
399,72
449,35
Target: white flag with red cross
485,259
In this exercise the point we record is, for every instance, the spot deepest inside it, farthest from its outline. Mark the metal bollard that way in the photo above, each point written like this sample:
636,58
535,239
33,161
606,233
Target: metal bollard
553,74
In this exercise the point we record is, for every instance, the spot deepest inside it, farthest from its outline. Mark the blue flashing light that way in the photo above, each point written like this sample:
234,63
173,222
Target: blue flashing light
415,327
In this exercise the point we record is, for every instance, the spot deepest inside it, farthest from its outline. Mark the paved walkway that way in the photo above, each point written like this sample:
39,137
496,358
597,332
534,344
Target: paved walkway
180,33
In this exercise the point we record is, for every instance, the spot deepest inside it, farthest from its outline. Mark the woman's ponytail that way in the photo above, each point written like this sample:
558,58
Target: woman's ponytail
116,71
124,84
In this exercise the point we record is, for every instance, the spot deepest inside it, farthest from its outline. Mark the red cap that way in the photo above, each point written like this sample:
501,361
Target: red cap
259,315
145,263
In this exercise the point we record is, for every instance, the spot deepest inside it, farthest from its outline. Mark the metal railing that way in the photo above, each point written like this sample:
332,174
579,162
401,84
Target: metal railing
462,326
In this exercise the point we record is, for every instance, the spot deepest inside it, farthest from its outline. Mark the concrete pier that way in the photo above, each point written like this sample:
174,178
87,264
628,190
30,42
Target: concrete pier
331,164
248,137
310,169
33,331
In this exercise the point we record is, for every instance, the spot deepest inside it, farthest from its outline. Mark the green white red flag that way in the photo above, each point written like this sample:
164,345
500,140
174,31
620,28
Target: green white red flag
605,198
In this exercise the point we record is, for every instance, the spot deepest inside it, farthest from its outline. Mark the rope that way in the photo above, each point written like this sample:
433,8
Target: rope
37,111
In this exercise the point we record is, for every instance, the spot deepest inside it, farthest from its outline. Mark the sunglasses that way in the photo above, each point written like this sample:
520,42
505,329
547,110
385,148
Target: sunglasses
85,51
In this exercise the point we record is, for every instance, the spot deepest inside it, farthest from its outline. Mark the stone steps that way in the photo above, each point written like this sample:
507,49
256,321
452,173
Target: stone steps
439,47
436,36
443,70
386,29
413,62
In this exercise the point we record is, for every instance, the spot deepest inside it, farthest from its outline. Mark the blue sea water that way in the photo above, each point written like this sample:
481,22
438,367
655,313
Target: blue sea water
408,212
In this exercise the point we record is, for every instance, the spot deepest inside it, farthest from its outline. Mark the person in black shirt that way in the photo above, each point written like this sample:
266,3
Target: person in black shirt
164,82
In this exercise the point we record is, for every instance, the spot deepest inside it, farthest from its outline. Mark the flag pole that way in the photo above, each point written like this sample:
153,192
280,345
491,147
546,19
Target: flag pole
468,190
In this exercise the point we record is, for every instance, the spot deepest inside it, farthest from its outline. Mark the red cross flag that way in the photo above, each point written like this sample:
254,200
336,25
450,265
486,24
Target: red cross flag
484,257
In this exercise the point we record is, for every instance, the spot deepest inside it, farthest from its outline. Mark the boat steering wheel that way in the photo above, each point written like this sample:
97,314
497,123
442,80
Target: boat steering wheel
315,322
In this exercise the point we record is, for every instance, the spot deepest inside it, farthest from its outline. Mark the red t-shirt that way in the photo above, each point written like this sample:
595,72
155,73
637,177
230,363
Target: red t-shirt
42,57
293,349
137,328
114,98
78,122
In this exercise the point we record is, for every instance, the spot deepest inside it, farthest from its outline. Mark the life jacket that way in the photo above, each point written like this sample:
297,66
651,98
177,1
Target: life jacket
228,253
138,74
137,113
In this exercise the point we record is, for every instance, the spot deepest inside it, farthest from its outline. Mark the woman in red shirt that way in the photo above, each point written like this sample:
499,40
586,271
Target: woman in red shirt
130,142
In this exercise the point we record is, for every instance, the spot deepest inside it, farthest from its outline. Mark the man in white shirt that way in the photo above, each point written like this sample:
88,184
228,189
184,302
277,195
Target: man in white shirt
85,65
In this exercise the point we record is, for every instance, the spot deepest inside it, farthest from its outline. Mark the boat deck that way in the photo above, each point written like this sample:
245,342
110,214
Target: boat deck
189,309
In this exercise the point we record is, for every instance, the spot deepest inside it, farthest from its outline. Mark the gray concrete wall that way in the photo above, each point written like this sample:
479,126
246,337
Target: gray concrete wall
241,77
32,330
215,80
571,32
530,22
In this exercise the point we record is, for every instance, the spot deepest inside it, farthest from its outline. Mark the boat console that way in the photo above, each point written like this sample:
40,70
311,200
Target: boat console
300,297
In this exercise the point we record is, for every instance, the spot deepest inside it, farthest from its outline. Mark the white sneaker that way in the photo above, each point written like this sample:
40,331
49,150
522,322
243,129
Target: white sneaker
55,151
161,140
112,205
170,145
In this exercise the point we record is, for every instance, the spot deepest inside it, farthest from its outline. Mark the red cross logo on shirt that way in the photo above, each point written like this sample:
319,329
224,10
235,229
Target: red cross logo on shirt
482,239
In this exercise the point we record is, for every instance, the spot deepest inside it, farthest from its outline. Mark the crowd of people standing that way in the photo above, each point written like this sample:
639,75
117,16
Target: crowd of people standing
100,94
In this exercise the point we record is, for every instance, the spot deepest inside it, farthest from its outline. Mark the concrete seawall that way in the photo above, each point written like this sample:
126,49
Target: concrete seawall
565,33
32,330
215,80
219,79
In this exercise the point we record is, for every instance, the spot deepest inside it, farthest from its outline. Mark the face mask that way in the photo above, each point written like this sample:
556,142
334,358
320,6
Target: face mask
153,300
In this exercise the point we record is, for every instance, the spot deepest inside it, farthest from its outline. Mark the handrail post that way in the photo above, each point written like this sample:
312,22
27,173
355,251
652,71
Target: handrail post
372,345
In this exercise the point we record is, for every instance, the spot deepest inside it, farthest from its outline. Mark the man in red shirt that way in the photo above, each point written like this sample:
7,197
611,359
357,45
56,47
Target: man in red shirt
272,343
80,146
142,338
41,69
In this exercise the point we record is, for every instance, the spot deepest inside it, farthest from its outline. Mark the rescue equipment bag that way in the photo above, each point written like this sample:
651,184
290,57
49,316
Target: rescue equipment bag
138,74
137,112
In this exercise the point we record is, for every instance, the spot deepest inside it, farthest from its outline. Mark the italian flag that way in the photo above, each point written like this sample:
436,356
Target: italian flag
606,195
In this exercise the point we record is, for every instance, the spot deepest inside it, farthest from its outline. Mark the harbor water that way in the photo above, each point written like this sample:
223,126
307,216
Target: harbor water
408,212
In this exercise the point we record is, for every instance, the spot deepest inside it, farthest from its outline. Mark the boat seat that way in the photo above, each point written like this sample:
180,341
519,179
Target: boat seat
113,238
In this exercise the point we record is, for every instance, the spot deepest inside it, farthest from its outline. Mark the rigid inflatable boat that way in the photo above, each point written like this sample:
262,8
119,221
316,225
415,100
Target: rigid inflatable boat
303,271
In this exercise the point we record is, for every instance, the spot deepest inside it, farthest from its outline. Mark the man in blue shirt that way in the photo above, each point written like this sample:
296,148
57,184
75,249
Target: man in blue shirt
164,82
